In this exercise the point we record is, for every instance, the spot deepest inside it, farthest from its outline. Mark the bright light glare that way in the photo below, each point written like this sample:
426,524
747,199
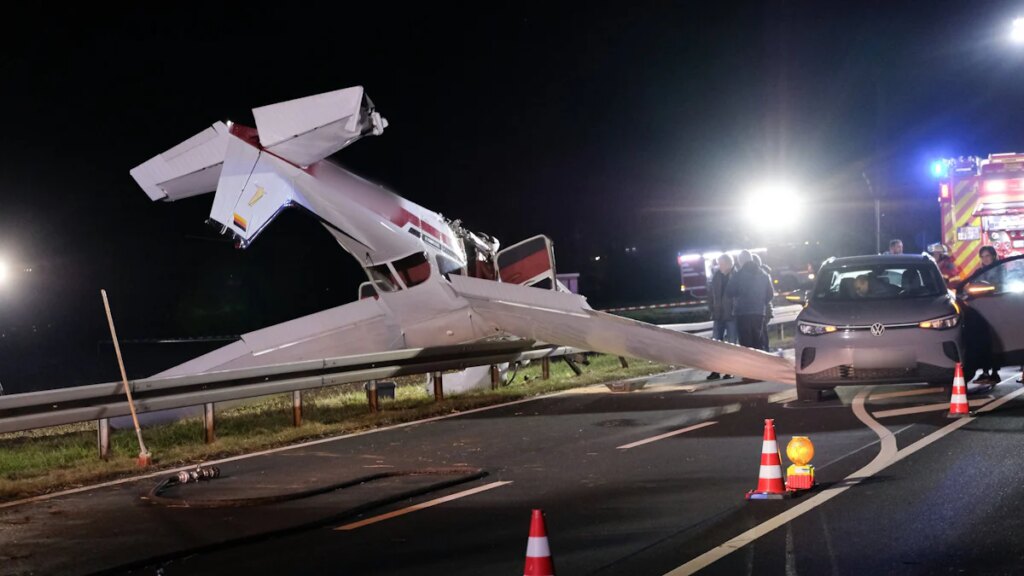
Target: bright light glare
995,186
3,272
774,206
1017,32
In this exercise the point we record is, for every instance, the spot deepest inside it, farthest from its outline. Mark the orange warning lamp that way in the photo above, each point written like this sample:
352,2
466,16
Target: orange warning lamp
800,476
800,450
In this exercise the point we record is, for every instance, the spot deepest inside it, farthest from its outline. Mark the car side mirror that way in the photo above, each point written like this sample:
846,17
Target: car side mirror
977,288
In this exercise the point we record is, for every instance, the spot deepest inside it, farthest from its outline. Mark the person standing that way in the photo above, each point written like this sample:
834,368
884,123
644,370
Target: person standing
989,372
721,305
749,288
950,271
895,246
769,311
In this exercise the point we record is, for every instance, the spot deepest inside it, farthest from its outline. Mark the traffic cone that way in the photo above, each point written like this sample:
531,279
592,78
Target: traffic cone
769,481
538,555
958,402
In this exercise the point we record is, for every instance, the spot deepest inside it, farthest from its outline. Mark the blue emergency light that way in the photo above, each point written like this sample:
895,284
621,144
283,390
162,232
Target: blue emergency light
940,169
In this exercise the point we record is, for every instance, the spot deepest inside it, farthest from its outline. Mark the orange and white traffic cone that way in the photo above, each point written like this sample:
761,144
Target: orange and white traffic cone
769,482
958,401
538,555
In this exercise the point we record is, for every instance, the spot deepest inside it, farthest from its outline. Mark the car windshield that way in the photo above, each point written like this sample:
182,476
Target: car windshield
878,282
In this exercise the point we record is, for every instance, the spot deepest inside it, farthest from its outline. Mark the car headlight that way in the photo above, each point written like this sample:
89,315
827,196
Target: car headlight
941,323
810,329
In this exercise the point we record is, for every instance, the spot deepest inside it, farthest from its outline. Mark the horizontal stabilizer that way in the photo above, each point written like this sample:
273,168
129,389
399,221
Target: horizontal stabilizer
188,169
306,130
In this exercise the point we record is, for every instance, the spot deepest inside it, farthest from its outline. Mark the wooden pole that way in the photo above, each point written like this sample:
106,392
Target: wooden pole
545,368
144,455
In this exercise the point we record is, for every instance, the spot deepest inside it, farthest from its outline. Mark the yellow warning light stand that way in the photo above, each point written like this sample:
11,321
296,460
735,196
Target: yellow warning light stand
800,476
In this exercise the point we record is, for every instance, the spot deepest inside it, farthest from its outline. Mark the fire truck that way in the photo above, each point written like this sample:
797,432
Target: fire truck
982,202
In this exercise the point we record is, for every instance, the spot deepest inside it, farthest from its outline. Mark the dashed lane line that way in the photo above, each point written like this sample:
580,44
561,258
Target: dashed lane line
667,435
422,505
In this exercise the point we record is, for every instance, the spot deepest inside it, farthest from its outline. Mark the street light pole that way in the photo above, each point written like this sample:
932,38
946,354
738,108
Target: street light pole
878,214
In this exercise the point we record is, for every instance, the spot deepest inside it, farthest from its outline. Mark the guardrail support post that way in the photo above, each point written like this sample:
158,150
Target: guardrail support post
438,387
572,364
208,422
545,368
103,437
495,377
371,396
297,408
622,362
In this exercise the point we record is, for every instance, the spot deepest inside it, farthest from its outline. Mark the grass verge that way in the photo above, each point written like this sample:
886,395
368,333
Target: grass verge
51,459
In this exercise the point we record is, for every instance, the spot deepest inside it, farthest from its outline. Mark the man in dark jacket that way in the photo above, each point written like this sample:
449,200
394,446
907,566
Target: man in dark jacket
721,305
769,311
749,288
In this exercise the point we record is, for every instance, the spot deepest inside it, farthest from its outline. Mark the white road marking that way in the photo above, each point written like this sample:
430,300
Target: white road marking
172,471
421,506
666,435
916,392
926,408
887,456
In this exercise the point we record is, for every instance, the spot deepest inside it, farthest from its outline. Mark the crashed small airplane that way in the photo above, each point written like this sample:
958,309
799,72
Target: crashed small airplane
430,282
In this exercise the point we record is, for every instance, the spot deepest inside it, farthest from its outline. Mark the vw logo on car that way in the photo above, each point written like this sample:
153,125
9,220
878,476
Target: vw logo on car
877,329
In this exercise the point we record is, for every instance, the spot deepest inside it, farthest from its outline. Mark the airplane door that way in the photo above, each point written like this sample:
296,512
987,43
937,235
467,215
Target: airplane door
529,263
994,302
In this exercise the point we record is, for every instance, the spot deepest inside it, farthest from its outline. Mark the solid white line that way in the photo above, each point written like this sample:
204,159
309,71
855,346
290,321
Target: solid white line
422,505
926,408
667,435
172,471
886,438
916,392
886,457
887,450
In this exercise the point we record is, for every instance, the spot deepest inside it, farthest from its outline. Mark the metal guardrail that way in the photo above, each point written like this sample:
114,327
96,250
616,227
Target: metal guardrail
57,407
102,401
783,315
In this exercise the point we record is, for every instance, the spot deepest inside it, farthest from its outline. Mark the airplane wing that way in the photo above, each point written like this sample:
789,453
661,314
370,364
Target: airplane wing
361,327
566,320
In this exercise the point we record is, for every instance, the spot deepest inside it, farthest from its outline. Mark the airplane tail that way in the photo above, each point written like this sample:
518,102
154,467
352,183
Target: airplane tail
244,166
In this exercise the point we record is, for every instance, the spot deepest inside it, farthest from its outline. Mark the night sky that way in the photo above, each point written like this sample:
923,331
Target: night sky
605,127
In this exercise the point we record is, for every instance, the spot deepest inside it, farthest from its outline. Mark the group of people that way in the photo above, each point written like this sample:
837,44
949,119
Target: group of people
740,298
951,273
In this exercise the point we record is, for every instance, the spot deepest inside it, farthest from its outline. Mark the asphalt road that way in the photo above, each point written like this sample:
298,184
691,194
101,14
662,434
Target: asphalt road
908,493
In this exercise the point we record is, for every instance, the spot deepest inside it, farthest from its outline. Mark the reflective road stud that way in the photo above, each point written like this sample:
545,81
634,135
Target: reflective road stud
769,481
